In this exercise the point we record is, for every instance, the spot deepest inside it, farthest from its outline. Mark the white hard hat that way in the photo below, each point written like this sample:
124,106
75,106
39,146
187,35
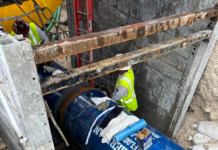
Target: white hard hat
126,68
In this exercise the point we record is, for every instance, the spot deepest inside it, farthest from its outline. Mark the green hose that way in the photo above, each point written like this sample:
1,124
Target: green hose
53,21
57,20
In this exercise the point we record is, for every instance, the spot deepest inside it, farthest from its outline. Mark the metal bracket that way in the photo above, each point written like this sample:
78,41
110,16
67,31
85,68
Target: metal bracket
35,93
27,55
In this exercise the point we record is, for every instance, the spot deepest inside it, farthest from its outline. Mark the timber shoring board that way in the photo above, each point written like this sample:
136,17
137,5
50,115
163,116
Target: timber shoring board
78,75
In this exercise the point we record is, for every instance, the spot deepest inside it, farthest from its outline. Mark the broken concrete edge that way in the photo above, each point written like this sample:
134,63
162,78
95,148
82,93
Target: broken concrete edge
72,46
78,75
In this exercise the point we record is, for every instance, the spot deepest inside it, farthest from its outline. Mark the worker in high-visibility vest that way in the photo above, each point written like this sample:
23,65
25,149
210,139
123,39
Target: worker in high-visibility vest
30,30
124,91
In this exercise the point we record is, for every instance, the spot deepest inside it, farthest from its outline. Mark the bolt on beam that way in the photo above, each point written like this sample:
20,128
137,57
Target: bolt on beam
78,75
72,46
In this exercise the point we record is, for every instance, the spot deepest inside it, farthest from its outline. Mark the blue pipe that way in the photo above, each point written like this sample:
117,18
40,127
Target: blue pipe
75,113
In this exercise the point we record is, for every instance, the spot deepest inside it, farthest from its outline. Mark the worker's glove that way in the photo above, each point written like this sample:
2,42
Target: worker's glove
101,103
99,100
50,69
103,106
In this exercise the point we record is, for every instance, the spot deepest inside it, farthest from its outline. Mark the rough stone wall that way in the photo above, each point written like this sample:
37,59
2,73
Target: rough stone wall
158,82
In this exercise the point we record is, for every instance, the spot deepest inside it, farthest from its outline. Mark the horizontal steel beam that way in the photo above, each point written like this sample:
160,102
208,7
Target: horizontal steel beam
63,48
78,75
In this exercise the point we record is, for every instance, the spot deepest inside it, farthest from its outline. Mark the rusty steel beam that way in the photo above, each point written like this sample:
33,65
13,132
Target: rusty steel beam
78,75
63,48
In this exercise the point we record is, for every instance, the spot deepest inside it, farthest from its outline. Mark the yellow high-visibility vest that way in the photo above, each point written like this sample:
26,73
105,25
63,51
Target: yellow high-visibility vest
33,35
129,101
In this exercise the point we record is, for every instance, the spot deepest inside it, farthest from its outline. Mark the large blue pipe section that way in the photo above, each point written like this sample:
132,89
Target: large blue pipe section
75,113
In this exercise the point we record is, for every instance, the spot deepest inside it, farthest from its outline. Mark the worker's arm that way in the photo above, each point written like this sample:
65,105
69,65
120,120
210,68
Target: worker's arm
42,35
120,92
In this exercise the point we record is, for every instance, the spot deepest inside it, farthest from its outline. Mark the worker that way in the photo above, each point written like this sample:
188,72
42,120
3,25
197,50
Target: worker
30,30
124,91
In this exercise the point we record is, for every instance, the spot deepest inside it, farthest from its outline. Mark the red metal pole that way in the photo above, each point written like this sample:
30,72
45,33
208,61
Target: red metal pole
77,17
90,19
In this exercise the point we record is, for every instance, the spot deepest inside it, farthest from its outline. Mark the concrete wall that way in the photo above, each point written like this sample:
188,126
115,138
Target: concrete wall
158,82
23,118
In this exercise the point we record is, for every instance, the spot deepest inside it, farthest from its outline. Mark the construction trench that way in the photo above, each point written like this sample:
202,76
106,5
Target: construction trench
167,72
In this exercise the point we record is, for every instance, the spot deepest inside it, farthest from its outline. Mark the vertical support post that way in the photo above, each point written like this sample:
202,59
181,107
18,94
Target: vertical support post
77,17
21,88
90,17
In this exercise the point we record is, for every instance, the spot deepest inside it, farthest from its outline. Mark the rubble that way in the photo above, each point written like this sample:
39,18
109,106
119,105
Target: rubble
209,128
202,139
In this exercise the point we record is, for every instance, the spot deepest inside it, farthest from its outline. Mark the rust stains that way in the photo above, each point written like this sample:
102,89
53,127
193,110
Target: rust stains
100,41
72,46
78,75
124,34
140,32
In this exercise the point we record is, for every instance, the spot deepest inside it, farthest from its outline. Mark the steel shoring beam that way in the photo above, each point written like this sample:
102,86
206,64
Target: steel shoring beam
78,75
63,48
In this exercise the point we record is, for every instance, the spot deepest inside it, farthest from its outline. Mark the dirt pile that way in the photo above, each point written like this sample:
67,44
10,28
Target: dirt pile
204,105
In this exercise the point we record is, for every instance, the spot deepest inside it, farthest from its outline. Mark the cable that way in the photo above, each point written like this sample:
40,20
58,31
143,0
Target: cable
25,12
16,17
42,12
37,5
